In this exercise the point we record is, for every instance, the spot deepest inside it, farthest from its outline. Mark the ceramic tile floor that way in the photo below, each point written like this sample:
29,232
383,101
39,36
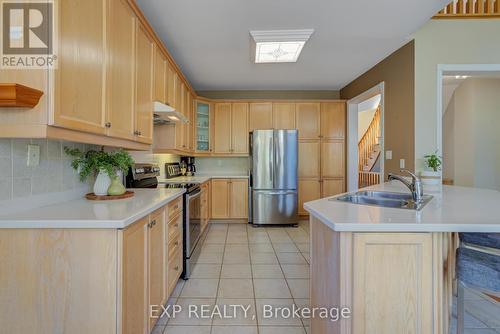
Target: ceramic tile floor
240,264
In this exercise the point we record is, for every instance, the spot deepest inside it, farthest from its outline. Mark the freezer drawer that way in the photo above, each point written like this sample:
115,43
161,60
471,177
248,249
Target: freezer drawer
274,207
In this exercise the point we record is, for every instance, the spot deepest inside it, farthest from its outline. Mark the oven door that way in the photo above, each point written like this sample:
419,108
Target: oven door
193,221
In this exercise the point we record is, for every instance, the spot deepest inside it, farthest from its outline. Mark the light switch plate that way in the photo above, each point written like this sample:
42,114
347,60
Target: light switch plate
401,163
33,155
388,155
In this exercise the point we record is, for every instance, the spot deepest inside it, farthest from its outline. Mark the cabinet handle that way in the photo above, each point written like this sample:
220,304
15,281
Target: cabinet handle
176,243
136,133
176,225
108,124
153,223
176,268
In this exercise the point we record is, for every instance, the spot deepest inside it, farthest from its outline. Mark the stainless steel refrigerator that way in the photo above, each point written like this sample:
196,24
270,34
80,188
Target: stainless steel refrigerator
273,177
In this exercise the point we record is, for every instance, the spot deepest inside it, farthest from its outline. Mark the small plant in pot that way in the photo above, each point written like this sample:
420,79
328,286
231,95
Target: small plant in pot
104,165
432,174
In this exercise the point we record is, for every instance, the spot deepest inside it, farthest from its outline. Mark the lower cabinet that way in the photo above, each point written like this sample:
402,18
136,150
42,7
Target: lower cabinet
152,264
205,205
230,198
309,190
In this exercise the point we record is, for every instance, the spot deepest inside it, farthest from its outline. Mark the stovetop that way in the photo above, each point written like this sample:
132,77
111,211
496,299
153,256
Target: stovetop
190,187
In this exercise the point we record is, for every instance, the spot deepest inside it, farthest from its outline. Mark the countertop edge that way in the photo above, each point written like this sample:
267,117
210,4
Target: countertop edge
88,224
403,227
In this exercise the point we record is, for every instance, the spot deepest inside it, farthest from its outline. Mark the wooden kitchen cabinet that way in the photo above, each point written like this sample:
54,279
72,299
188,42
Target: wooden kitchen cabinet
205,205
333,120
261,116
231,198
144,87
220,194
222,128
160,64
81,65
120,83
170,83
238,199
309,190
308,120
135,297
332,159
230,134
239,128
284,115
157,257
309,159
331,187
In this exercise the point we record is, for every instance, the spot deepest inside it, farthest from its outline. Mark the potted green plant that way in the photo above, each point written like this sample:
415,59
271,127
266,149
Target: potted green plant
432,173
104,165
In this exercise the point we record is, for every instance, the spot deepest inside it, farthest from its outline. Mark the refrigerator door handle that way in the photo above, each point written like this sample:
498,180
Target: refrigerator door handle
284,192
271,161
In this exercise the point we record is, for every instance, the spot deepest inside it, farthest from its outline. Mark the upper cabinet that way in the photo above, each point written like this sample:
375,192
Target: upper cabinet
79,79
308,120
284,116
239,128
144,87
333,120
261,116
231,128
120,104
160,64
202,127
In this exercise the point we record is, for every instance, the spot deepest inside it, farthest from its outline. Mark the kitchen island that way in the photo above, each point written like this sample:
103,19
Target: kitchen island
84,267
393,267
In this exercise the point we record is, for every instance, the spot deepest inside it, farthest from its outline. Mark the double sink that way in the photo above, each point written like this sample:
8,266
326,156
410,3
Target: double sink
384,199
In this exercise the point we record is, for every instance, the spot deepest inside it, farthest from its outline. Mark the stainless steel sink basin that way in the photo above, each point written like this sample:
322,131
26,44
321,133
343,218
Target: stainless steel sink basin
384,199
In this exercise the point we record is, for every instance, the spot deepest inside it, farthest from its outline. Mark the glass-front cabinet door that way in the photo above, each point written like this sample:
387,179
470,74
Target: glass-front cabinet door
202,127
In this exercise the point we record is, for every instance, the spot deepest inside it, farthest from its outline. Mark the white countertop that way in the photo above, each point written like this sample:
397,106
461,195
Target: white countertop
453,209
82,213
200,178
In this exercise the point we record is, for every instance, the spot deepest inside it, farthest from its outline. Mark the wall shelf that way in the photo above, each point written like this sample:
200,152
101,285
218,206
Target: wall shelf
14,95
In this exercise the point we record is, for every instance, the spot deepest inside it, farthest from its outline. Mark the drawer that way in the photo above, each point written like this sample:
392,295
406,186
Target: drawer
175,245
175,227
174,271
174,207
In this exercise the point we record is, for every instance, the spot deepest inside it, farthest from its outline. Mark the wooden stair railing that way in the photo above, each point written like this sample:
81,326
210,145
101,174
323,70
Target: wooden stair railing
368,145
369,152
459,9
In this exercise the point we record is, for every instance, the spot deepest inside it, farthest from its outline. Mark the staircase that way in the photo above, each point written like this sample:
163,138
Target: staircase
369,153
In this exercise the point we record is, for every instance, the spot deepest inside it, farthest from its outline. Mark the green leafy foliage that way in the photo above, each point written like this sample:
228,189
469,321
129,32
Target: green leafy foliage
433,161
91,162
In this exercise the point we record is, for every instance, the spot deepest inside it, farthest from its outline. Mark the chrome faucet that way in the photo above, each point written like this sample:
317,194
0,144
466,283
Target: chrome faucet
417,191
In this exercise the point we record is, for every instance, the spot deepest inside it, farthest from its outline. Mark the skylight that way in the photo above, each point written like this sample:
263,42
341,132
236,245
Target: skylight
279,46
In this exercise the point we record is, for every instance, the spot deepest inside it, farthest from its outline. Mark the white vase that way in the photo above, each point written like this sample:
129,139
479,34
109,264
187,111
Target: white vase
102,183
430,178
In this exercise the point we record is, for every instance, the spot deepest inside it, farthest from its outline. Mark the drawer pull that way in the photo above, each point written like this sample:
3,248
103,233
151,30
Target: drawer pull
176,225
176,268
176,243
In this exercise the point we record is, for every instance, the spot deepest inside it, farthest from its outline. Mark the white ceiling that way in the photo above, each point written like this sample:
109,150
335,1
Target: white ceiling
210,41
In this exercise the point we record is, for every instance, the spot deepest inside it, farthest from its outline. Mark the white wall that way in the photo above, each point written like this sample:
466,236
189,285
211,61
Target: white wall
471,139
446,42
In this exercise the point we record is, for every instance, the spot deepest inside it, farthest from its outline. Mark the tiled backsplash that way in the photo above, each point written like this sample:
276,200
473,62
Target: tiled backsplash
222,165
53,174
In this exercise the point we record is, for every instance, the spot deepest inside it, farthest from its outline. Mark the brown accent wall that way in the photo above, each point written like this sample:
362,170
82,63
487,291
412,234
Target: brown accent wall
397,71
271,94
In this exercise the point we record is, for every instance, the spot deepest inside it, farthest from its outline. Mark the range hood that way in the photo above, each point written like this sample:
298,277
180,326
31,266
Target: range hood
165,114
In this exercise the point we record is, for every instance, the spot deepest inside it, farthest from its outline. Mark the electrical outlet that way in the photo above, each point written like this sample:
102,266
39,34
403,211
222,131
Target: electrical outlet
388,155
401,163
33,155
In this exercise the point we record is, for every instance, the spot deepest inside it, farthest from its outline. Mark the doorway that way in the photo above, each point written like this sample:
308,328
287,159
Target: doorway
365,144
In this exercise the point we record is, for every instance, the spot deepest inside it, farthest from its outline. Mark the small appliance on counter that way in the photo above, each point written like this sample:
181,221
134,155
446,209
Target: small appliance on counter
190,166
